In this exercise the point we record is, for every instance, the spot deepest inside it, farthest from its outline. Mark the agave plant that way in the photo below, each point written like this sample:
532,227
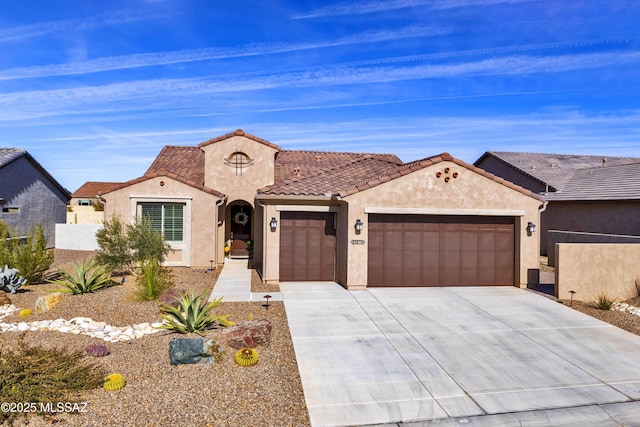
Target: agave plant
192,314
86,277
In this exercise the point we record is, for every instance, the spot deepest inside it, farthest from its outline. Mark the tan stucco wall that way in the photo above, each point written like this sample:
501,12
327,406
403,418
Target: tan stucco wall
468,194
590,269
201,214
223,177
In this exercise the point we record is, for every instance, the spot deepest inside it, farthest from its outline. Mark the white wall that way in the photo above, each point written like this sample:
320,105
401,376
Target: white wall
79,237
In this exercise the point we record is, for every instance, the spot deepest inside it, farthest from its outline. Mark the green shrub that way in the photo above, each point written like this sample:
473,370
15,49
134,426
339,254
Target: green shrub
152,281
115,251
30,256
86,277
123,246
192,314
603,301
38,375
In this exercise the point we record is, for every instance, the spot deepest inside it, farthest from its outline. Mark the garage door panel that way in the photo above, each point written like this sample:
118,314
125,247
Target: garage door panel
307,246
431,250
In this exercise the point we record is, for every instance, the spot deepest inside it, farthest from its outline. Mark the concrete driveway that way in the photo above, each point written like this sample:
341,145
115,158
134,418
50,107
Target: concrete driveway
397,355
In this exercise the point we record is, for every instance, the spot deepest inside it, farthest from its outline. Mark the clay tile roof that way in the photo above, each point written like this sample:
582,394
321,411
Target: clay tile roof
368,172
238,132
187,162
296,164
90,189
183,164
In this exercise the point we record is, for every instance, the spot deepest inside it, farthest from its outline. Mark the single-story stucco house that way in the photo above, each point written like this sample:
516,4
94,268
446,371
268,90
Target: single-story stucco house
29,195
590,194
355,218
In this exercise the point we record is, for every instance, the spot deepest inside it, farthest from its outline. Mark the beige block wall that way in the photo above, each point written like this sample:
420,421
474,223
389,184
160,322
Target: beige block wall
200,240
468,194
84,215
590,269
223,177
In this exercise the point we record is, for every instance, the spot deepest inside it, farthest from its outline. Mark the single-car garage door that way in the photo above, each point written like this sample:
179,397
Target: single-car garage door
307,246
432,250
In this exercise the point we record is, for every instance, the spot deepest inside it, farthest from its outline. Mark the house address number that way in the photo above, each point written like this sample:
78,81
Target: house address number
357,242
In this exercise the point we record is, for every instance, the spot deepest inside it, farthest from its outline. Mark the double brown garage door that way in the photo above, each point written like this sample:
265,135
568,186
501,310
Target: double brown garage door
307,246
431,250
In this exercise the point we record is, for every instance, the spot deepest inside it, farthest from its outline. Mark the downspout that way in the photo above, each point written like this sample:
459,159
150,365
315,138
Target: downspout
218,204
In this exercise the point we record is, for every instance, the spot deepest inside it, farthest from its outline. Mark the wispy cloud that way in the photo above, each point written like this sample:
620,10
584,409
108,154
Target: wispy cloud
363,7
71,25
194,55
335,75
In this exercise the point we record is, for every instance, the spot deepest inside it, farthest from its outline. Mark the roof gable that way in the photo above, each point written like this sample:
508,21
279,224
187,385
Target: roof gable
9,155
238,132
187,162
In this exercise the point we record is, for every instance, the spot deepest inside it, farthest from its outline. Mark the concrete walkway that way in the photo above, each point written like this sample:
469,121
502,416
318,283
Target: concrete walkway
234,283
476,356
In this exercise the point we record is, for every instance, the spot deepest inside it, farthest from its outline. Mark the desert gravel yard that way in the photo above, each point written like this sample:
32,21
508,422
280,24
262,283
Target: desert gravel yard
157,393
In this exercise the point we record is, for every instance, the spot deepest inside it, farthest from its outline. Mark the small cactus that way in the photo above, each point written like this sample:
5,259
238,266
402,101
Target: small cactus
114,382
25,312
246,357
97,350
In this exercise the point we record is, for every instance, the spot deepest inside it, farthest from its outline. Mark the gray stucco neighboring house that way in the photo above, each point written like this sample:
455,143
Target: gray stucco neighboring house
592,194
29,194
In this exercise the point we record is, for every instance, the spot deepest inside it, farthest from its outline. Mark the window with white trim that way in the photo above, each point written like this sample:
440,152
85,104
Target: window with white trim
166,218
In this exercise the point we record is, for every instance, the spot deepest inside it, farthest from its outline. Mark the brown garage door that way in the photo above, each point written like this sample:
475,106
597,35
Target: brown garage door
307,246
431,250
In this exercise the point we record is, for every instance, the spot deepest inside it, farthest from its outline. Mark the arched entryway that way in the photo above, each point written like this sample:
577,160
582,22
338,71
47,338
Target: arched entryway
240,228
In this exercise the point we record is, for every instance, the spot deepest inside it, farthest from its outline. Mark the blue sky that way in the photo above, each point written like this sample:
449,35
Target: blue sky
94,89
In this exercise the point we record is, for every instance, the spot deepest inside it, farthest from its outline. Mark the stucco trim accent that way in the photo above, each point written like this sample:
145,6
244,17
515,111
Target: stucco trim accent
160,198
307,208
431,211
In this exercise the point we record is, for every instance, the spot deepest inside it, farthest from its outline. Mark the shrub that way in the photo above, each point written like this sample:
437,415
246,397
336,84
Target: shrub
152,281
603,301
38,375
86,277
115,251
123,246
170,297
30,256
192,314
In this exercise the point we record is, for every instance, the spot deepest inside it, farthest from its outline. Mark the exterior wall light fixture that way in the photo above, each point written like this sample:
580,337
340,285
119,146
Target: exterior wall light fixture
359,226
273,224
531,228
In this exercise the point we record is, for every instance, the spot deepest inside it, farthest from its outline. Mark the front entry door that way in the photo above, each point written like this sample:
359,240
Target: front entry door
240,229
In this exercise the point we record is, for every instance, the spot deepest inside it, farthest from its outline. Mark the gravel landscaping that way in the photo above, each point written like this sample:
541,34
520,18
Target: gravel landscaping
157,393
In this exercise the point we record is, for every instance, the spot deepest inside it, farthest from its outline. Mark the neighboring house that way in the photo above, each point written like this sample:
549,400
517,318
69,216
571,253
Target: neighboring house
355,218
85,207
595,194
29,195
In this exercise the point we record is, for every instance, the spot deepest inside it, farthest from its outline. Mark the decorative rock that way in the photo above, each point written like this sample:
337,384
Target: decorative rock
248,334
7,310
186,351
46,302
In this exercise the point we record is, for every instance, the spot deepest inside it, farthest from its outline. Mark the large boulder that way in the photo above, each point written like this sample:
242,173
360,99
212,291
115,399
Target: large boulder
46,302
248,334
187,351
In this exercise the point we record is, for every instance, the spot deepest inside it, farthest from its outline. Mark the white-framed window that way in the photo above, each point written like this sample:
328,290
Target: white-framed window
166,218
